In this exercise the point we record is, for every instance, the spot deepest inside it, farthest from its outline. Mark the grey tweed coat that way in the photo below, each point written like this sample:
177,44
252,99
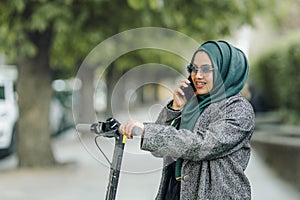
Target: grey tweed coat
216,153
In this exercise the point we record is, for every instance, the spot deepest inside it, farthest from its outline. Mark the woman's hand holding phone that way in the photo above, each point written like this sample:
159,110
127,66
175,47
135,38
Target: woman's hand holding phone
182,94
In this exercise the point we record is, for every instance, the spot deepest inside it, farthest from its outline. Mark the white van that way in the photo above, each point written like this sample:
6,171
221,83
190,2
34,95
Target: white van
9,110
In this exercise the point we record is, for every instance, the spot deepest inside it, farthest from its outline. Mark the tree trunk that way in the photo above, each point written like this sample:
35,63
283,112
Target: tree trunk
35,92
87,112
110,83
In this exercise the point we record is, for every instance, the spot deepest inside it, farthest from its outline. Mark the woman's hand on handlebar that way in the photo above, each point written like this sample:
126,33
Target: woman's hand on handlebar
127,128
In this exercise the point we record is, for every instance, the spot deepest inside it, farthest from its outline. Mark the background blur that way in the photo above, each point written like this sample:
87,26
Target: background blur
64,62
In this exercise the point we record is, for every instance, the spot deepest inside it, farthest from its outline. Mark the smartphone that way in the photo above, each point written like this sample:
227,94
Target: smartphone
190,90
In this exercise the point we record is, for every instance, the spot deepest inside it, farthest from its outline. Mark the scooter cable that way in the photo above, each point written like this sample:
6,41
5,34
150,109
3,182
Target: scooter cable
101,150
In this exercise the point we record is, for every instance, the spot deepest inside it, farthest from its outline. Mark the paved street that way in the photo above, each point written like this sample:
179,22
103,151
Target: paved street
85,174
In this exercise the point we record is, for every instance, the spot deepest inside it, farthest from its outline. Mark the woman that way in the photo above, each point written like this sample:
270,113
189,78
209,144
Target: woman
212,130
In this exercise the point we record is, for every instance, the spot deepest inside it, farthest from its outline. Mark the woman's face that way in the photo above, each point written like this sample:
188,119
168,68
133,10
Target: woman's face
202,75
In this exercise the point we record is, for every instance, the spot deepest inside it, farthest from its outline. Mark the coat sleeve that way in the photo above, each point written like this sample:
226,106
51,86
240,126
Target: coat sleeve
167,115
227,132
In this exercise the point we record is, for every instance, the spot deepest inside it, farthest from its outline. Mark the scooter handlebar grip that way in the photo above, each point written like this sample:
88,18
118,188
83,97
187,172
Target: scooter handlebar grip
83,128
136,131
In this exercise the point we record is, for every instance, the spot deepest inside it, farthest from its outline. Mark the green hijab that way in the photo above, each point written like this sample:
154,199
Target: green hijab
230,75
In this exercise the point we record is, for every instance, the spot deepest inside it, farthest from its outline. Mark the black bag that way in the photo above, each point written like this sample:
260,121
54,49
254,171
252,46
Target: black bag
172,191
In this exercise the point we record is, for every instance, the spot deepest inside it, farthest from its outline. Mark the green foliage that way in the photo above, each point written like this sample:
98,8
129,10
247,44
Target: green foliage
277,73
140,57
137,4
78,26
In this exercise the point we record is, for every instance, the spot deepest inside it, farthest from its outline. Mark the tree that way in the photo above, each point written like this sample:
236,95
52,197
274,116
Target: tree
43,36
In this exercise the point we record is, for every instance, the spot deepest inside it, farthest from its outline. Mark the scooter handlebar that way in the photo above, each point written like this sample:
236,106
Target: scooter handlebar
91,128
136,131
96,128
84,128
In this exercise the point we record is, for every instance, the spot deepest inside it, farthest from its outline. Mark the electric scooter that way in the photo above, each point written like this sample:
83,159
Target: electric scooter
110,129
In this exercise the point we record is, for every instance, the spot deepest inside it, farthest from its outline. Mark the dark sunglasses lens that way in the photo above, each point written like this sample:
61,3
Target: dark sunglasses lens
194,68
191,68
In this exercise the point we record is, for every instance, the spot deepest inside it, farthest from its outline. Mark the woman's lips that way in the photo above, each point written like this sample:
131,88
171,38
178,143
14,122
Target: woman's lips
200,84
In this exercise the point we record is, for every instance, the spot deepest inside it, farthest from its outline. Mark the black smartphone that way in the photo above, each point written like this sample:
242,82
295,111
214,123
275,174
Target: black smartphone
190,90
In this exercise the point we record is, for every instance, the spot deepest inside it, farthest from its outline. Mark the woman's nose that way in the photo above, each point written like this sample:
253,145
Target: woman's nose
199,74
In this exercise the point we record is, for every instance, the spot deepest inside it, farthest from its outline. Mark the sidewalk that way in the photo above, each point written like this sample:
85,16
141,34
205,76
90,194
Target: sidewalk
85,178
86,175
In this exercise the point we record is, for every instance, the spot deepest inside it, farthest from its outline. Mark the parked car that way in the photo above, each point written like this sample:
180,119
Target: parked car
9,110
61,118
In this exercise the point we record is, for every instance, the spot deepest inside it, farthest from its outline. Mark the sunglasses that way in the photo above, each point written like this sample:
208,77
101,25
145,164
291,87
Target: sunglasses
204,69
